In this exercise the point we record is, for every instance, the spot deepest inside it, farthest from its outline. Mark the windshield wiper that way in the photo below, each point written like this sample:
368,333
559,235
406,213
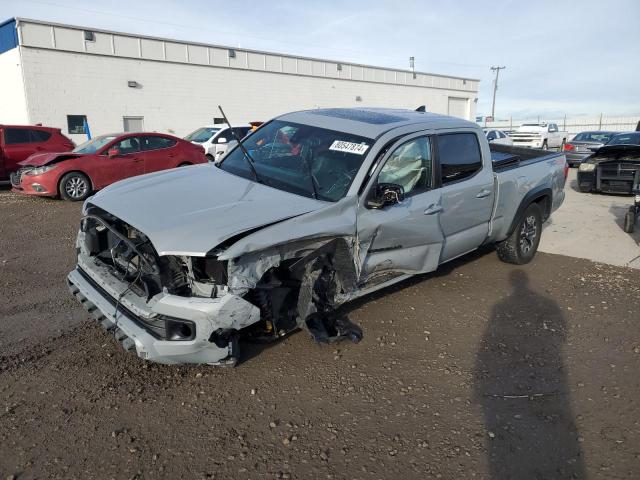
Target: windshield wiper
246,154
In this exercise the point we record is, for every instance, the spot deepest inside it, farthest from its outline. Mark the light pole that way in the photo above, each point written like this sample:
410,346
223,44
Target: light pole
495,87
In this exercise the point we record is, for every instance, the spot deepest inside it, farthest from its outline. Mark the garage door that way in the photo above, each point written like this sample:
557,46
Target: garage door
457,107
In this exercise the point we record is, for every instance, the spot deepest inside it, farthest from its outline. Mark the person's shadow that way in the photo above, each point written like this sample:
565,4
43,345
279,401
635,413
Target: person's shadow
521,383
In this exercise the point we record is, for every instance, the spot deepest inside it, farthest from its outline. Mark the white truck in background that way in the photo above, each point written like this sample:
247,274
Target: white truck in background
539,135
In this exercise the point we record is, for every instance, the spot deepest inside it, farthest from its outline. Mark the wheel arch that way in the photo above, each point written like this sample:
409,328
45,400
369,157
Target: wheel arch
540,195
74,170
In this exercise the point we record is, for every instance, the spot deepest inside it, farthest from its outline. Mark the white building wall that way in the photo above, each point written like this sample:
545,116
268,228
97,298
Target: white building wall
181,84
13,104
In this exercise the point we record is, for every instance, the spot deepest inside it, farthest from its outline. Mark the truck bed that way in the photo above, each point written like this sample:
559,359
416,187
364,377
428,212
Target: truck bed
518,172
506,156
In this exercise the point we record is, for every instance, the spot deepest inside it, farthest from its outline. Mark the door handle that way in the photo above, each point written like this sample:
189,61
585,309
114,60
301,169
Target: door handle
433,209
483,193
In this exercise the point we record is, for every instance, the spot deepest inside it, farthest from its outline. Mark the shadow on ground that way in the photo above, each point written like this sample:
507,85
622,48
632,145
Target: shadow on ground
521,384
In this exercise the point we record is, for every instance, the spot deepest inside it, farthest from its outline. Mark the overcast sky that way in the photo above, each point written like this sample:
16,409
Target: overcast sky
573,57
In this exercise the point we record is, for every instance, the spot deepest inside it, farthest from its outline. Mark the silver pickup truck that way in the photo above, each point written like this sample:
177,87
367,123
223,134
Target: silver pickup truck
313,210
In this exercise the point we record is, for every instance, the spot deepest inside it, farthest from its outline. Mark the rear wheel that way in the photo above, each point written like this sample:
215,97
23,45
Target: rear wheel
209,157
521,246
75,186
630,220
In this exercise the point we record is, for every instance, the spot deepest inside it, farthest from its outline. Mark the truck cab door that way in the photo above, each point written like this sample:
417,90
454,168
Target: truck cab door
402,236
467,187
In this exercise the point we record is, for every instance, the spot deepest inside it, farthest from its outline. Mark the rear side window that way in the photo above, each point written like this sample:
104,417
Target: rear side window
459,155
156,143
40,136
14,136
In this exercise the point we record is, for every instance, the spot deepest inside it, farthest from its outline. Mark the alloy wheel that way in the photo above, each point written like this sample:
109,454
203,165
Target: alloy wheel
528,234
76,187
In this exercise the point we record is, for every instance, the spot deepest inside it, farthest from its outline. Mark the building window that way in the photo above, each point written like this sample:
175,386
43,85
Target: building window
133,124
89,36
218,120
339,67
232,53
75,123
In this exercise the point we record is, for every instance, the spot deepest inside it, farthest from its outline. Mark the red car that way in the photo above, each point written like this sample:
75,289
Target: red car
101,162
17,142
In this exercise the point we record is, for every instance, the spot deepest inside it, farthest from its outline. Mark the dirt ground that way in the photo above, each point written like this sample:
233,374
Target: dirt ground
483,370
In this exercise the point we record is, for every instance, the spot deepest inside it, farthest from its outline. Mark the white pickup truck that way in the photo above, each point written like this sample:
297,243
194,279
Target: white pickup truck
539,135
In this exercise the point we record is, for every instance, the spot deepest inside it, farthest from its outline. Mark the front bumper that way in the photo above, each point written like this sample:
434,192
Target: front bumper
98,291
45,184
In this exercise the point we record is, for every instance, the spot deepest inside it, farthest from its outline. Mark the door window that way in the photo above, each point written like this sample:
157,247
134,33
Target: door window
128,145
14,136
409,166
459,156
491,135
226,134
156,143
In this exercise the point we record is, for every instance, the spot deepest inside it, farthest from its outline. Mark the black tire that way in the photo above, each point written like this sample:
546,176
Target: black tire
545,145
630,220
210,157
185,164
585,189
74,187
521,246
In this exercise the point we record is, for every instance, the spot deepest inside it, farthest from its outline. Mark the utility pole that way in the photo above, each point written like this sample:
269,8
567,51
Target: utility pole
495,87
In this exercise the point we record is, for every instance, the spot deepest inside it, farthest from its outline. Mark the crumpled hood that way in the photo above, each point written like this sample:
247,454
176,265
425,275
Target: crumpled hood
628,153
40,159
191,210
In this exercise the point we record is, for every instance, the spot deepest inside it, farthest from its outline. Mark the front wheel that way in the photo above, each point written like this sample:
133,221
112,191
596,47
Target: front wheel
521,246
630,220
75,187
545,145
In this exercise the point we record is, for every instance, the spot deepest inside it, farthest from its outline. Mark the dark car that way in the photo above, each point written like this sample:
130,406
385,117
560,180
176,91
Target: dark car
584,144
17,142
101,162
613,168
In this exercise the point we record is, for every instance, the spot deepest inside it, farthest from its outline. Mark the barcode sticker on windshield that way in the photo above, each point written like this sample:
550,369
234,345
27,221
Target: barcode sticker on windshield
349,147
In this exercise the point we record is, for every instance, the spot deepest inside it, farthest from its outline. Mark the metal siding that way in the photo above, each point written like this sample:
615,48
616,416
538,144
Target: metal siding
8,35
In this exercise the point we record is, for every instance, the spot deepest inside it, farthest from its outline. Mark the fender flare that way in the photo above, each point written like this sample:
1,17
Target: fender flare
532,196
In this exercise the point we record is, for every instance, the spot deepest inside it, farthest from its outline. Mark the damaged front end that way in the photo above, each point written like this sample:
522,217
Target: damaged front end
192,309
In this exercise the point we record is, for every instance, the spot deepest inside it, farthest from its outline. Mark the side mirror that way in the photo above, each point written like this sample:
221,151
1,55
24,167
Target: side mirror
113,152
386,194
221,140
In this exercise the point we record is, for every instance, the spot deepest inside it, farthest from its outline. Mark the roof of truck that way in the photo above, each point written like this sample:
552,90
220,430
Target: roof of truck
373,122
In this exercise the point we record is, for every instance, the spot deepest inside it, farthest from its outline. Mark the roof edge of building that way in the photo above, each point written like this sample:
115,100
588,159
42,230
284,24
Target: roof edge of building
18,20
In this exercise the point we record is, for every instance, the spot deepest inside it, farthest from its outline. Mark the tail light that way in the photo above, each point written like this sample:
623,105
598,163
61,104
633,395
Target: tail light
568,147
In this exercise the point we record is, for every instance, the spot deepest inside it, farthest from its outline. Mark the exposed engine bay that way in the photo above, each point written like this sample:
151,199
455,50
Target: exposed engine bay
298,290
